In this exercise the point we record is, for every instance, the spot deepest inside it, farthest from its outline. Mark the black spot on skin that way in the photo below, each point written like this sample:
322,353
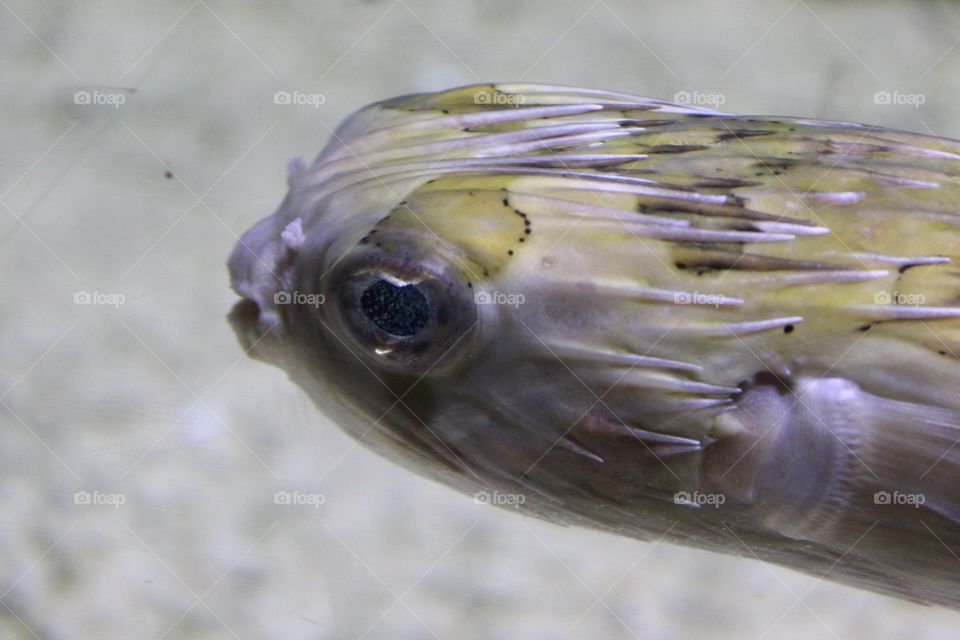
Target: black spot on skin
506,202
904,267
866,327
445,111
724,183
788,328
741,134
526,230
168,175
675,148
775,163
700,268
942,352
510,252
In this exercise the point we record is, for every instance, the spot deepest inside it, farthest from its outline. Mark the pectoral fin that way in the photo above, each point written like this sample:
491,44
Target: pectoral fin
872,481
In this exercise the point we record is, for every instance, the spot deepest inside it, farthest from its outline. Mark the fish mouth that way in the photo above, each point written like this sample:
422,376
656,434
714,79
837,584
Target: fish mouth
244,318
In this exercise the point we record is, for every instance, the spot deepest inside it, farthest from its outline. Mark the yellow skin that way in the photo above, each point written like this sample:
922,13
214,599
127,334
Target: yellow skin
759,314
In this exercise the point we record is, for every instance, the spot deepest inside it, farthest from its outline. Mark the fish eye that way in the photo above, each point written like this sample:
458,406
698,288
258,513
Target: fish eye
405,317
398,310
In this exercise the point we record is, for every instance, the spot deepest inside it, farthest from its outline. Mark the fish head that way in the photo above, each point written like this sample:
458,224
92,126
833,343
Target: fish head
420,286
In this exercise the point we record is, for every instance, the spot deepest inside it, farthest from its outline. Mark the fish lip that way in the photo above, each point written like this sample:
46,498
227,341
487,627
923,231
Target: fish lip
257,339
244,314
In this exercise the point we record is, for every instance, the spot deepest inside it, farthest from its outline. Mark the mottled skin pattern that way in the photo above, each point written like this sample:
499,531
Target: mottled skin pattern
763,309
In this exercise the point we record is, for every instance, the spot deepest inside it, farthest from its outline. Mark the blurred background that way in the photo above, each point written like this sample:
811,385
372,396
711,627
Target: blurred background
141,452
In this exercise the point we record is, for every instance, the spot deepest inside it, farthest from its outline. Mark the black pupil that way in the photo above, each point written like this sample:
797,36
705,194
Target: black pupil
400,311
